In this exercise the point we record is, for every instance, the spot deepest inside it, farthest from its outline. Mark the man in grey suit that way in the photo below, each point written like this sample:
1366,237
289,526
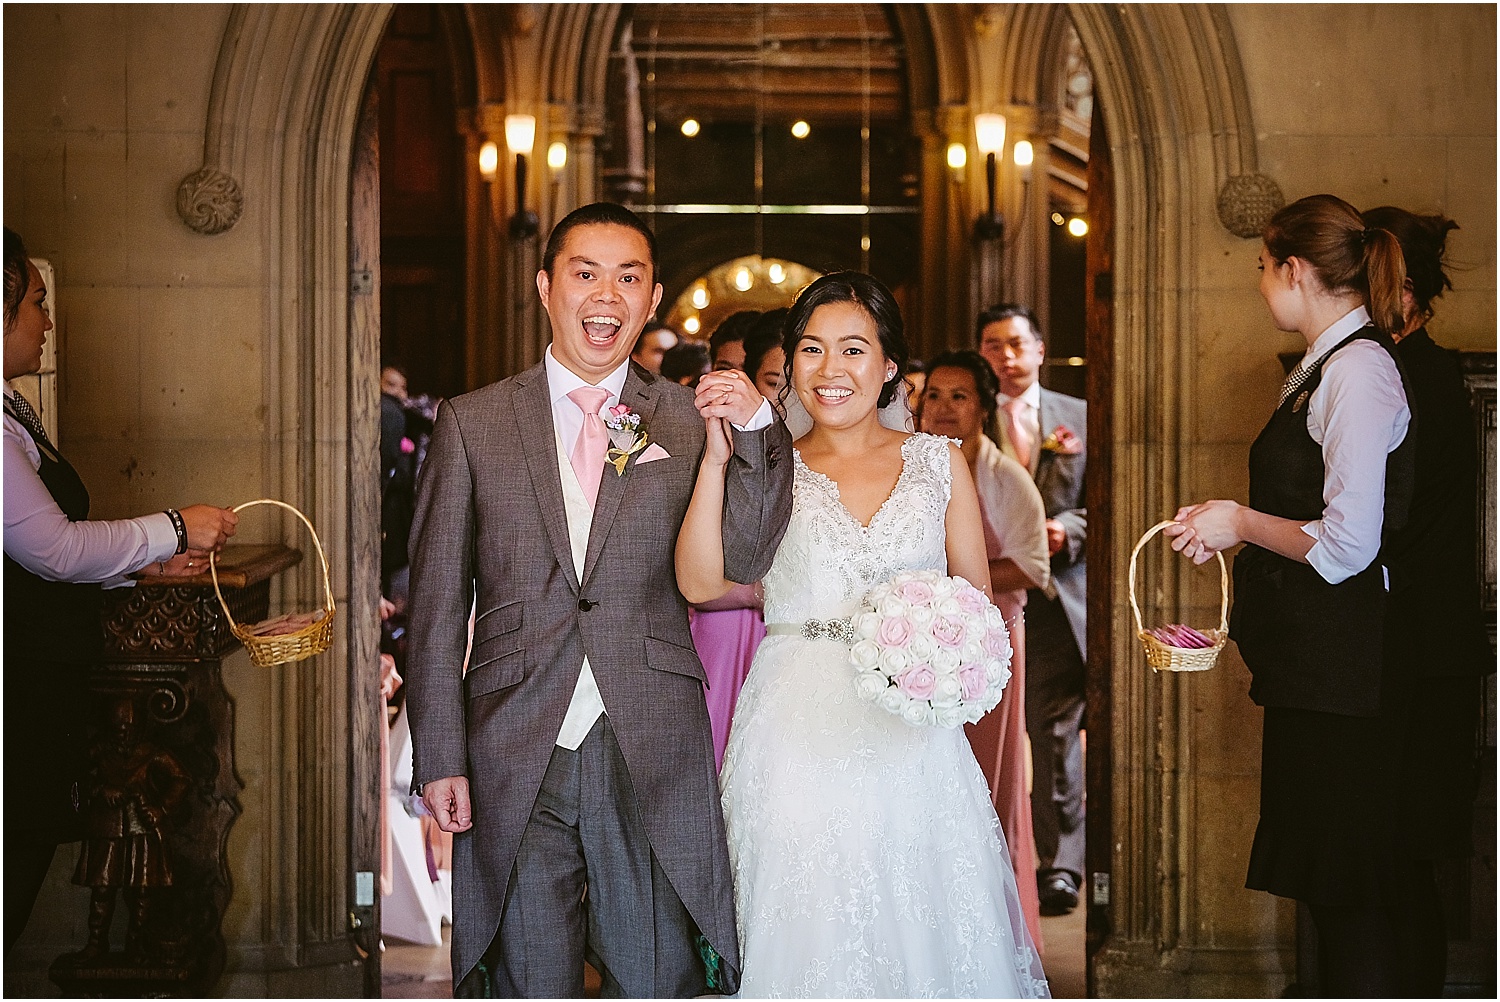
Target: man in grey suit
573,759
1047,432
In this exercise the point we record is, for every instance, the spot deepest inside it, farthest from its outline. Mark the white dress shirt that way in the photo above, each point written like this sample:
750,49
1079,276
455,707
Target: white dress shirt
40,537
567,422
1358,414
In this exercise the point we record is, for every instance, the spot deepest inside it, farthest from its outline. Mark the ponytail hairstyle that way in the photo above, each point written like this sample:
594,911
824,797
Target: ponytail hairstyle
1423,242
1345,254
17,275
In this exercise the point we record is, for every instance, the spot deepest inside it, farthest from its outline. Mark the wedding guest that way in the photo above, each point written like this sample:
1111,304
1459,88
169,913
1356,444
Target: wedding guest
1329,475
727,343
398,481
959,402
1046,432
651,346
686,362
56,561
764,358
1435,634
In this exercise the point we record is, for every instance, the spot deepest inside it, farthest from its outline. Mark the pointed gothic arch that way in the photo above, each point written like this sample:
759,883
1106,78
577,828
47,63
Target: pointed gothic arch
283,110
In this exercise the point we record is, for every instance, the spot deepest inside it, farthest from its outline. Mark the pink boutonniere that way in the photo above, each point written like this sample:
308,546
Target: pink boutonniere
1063,442
627,436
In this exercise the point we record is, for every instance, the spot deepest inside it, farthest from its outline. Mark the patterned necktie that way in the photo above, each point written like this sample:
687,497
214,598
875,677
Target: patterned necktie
1298,376
22,412
587,456
1016,426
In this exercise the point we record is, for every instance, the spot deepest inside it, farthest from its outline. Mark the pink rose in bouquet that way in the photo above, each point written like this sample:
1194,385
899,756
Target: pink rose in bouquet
914,592
948,631
972,680
971,601
918,681
997,643
896,631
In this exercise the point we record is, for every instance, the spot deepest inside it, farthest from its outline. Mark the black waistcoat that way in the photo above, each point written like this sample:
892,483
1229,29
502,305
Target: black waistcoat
53,620
1309,644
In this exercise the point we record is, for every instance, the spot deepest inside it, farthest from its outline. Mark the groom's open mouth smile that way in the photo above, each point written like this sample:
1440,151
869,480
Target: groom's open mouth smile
601,331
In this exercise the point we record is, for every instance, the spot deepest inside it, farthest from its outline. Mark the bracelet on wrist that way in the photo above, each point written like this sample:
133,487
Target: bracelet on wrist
180,527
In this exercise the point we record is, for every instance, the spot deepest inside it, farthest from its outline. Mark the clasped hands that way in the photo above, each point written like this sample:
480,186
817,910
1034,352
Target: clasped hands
1202,530
725,397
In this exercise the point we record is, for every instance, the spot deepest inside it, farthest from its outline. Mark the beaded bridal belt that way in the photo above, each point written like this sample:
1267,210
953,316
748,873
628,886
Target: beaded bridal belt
839,630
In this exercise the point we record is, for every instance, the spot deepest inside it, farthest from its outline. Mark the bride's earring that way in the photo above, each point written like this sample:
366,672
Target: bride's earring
890,373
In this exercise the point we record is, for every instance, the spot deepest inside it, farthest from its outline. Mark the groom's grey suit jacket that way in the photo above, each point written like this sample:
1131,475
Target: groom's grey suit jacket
491,529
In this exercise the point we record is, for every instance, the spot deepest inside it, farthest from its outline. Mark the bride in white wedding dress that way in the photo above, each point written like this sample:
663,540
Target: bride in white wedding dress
868,860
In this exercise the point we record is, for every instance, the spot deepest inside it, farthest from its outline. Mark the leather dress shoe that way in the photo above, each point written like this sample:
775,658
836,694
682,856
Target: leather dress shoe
1058,894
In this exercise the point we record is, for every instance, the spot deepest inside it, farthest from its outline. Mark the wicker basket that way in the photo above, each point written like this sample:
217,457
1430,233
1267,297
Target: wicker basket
1164,657
315,638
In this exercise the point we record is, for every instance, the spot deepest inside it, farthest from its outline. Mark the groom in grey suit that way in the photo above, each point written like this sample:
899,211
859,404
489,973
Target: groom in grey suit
573,758
1048,433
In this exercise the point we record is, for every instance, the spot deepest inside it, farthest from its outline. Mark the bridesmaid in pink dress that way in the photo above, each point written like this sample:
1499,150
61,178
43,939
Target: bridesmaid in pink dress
726,632
959,401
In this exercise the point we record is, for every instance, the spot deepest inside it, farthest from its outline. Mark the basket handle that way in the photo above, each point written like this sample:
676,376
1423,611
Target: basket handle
1223,580
317,543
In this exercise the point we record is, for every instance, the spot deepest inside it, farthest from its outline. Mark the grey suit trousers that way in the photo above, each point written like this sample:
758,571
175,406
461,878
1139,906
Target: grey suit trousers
586,886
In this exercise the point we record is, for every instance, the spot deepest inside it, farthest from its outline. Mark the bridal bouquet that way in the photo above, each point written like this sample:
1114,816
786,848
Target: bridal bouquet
930,649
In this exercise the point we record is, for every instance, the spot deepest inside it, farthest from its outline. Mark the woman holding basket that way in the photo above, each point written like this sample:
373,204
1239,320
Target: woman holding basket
1330,475
55,563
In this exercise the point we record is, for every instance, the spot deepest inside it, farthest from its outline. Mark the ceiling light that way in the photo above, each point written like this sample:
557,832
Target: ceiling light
864,243
690,127
777,274
700,298
1078,226
691,325
743,280
1057,219
800,129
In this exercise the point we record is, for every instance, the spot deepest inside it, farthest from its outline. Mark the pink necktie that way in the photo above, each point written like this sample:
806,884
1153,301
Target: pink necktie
1016,428
587,456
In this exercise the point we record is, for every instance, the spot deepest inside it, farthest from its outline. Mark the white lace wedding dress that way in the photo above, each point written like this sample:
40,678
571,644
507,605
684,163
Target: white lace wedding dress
868,861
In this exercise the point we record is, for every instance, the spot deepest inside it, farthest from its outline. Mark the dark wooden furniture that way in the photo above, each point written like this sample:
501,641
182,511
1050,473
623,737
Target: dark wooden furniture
164,719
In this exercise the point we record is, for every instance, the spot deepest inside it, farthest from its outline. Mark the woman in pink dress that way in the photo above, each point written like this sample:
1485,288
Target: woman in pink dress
959,401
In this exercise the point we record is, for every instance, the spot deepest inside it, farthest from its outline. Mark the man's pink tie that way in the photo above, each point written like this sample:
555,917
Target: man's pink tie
1016,428
587,456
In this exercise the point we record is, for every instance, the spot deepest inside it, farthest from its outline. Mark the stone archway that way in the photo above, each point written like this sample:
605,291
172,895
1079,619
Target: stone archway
285,102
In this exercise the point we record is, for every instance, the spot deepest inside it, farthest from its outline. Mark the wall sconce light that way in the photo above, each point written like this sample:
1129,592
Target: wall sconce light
989,133
489,161
520,137
801,129
690,127
557,156
1024,155
958,156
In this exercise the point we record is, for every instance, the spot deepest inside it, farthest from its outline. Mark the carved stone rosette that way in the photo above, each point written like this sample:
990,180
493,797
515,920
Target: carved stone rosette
1247,203
209,201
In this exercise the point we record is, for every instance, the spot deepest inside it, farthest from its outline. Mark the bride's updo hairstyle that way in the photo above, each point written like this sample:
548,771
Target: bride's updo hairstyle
866,292
1345,254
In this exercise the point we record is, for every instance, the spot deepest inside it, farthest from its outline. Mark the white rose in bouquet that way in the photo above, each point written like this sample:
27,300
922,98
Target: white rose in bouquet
916,713
870,684
865,654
